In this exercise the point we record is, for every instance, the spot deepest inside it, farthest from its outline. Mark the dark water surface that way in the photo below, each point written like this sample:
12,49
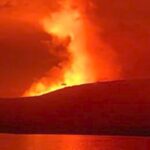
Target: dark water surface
72,142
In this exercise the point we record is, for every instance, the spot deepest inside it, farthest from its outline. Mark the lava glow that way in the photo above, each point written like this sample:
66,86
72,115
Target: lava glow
67,24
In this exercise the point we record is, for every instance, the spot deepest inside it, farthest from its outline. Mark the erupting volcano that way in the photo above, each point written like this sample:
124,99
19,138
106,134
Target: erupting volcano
70,28
74,45
67,25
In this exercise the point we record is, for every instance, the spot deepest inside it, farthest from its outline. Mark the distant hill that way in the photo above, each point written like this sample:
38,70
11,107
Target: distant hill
104,108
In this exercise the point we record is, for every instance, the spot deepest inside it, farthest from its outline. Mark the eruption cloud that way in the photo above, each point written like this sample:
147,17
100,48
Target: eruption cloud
71,28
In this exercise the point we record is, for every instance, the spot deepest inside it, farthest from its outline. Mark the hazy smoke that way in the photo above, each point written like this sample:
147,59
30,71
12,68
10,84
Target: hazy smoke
27,54
123,27
118,40
27,10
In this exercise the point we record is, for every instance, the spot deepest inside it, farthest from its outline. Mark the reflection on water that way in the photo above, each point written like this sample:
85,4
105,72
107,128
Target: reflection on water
72,142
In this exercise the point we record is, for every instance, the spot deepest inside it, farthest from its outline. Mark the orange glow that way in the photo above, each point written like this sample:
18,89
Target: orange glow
68,23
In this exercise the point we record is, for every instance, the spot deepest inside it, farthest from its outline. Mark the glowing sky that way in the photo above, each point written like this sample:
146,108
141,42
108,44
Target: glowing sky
122,39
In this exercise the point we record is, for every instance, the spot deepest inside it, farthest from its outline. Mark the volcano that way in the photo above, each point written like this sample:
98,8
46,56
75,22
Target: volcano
102,108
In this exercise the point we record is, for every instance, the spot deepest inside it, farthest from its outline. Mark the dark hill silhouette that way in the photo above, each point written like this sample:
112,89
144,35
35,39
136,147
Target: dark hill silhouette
108,108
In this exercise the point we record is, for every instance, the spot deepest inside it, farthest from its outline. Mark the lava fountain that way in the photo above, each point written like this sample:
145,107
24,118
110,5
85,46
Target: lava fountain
68,24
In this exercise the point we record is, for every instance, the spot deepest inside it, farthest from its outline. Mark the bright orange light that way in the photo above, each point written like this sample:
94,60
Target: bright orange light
67,23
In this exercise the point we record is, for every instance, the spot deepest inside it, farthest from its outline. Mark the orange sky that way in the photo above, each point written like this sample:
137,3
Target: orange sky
120,39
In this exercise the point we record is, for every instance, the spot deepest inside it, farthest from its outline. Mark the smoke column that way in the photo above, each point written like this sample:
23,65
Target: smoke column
86,59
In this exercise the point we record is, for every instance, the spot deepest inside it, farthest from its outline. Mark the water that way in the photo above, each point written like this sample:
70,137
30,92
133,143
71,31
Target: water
72,142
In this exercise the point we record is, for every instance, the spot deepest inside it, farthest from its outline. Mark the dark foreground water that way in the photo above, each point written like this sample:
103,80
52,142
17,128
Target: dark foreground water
72,142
